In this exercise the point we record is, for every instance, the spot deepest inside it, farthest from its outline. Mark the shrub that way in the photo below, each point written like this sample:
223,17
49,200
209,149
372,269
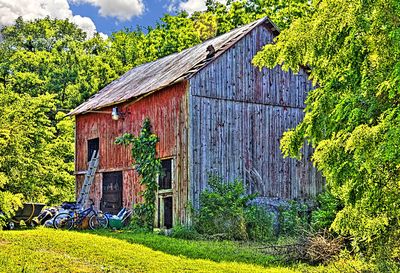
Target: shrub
293,218
9,204
184,232
327,208
259,223
222,209
141,217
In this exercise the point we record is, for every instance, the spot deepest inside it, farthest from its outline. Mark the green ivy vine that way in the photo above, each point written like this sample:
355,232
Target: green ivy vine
148,167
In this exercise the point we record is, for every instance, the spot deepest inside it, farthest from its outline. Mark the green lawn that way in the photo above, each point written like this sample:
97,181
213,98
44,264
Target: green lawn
48,250
226,251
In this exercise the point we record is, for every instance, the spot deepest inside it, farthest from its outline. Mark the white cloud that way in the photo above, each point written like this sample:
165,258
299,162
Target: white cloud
103,35
84,23
33,9
123,10
193,5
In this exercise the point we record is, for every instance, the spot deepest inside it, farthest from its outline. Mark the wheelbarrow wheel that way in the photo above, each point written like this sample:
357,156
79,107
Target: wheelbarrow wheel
63,221
11,226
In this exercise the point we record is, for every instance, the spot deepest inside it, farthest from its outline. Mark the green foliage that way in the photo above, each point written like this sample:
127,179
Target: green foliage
327,207
222,209
259,223
185,232
352,117
9,204
35,158
148,167
293,218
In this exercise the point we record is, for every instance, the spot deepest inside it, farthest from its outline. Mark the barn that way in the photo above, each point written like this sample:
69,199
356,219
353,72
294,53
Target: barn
213,111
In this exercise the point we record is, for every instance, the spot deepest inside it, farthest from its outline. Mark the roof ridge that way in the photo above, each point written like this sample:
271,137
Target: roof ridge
185,64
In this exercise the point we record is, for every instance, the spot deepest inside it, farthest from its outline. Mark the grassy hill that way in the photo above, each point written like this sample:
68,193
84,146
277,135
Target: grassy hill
47,250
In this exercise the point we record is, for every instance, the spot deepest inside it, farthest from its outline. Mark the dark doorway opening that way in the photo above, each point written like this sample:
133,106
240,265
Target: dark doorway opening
111,200
168,212
93,145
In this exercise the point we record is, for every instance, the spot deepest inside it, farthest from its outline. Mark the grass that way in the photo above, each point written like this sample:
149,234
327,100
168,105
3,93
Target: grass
226,251
47,250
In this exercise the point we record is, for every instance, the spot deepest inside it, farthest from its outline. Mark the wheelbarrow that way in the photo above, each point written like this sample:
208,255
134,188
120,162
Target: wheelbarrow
26,214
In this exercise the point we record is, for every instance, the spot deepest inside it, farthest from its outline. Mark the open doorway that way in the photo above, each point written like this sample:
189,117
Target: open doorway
111,200
164,217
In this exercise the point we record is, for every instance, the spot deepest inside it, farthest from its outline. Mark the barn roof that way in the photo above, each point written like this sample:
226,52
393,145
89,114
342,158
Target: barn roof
153,76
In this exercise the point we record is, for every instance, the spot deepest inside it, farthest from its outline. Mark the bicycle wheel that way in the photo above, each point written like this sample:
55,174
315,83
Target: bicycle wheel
63,221
98,221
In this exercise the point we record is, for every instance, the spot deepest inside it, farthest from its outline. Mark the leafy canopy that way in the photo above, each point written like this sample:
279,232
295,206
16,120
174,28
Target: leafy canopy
352,117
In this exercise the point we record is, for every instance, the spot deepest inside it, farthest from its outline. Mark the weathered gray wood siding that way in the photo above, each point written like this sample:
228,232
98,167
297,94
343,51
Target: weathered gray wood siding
237,115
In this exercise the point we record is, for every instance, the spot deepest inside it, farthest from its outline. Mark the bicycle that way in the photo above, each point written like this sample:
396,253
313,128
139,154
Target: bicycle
75,218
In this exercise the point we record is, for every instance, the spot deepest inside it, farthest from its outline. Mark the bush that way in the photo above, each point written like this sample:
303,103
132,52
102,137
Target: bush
9,204
327,208
222,209
141,217
293,218
184,232
259,223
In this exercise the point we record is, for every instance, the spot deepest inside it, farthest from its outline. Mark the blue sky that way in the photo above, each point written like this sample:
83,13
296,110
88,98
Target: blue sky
104,16
153,11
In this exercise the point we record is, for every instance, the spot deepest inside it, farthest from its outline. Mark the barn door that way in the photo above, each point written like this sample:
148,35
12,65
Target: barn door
112,192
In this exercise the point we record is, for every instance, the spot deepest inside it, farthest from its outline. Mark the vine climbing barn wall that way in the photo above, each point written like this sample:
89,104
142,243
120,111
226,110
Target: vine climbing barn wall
238,115
167,110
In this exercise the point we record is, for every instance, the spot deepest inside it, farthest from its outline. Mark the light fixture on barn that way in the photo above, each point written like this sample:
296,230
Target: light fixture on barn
115,113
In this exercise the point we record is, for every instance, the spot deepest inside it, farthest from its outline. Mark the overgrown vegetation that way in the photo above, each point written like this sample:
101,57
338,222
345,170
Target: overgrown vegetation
222,209
352,117
148,167
227,212
298,231
293,218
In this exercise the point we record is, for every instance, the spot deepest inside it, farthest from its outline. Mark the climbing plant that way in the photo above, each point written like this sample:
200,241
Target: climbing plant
148,167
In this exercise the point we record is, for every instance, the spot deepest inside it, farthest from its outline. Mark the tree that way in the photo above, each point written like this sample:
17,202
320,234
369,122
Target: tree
352,117
32,154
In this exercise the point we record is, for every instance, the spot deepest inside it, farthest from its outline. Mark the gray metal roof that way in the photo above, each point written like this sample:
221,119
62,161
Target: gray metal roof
153,76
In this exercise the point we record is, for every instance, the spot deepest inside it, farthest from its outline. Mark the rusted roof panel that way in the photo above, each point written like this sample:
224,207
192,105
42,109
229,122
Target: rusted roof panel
163,72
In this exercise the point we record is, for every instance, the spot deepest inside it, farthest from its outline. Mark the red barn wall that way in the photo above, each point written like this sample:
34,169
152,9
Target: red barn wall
167,111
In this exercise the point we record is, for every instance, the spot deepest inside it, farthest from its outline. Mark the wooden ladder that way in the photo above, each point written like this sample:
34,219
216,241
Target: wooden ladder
87,183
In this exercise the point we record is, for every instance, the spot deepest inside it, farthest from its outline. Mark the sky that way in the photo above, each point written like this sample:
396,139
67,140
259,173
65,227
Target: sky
102,16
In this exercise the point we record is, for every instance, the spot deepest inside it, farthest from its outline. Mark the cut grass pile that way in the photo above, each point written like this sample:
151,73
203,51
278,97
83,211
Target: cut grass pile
47,250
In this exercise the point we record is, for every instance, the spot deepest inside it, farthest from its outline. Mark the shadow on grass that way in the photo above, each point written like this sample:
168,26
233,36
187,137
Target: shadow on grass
215,251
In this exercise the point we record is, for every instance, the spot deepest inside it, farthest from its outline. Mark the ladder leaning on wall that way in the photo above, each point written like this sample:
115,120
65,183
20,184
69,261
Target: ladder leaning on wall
87,183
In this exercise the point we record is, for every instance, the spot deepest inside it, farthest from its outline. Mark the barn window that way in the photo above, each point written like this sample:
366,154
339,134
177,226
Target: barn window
93,145
165,178
164,216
